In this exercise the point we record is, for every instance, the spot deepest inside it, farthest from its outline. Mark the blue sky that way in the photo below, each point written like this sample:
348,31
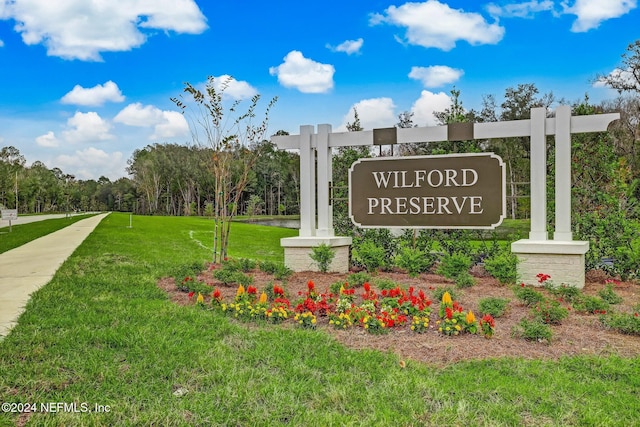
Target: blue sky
83,83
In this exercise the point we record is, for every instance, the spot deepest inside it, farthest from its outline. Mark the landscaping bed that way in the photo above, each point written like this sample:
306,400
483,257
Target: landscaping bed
578,334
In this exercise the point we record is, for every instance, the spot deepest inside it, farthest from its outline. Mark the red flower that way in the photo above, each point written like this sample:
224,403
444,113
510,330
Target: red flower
488,319
542,277
310,286
216,294
522,285
367,287
449,312
252,290
277,290
191,294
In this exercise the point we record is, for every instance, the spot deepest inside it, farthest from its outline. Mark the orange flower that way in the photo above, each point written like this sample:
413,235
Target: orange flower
263,298
200,299
446,299
240,291
470,317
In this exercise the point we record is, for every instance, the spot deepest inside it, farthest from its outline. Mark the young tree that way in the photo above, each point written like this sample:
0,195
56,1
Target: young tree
217,124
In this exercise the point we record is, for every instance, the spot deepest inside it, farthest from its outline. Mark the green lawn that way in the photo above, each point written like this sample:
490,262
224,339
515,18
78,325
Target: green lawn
103,333
24,233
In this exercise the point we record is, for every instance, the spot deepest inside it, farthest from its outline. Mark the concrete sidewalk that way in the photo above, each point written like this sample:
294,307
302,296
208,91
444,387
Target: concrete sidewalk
27,268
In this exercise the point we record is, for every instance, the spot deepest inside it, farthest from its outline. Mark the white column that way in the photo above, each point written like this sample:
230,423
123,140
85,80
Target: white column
538,175
563,174
307,183
325,220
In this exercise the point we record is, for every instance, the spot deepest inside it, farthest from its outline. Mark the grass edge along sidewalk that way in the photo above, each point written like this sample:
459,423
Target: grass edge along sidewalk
27,268
102,332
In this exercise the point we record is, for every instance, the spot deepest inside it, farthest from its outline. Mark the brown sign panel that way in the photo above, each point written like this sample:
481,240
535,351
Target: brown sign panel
448,191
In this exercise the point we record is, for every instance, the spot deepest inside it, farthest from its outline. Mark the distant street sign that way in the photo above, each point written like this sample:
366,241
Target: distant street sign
9,214
447,191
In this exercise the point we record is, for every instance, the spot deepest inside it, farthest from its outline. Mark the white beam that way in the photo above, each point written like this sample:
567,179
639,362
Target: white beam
325,220
563,174
538,175
307,183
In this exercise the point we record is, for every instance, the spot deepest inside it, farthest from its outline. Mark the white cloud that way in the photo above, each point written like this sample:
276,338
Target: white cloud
49,140
435,75
435,24
81,29
520,10
87,127
304,74
426,105
1,43
622,76
166,124
173,125
591,13
235,89
348,46
97,95
374,113
91,163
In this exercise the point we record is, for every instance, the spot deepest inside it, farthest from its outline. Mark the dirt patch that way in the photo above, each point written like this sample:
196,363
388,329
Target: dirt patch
579,334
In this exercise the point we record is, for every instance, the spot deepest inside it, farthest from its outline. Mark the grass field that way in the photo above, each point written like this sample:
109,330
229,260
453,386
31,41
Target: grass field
103,333
24,233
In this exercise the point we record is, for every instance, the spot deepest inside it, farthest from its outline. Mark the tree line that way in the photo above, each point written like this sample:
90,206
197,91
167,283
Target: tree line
174,179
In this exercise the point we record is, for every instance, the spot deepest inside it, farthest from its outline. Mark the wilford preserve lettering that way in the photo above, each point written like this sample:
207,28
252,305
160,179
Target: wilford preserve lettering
449,191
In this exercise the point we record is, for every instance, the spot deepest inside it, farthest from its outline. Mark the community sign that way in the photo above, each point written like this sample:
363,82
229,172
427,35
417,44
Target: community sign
464,191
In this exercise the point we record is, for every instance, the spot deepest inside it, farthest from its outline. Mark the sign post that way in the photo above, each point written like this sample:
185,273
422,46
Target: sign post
561,257
9,215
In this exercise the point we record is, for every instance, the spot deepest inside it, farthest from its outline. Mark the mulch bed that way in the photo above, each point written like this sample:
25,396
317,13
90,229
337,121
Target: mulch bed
579,334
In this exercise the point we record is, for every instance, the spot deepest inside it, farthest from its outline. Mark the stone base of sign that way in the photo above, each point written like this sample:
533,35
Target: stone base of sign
563,261
298,249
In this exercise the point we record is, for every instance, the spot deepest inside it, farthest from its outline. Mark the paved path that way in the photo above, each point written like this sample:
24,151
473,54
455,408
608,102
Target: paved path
26,219
27,268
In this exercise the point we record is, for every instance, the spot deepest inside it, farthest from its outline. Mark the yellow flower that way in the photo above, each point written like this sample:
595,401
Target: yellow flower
263,298
446,299
470,317
240,291
200,299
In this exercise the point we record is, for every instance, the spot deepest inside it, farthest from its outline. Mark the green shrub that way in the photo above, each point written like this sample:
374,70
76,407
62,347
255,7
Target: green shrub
527,295
611,235
282,272
493,306
383,283
623,322
564,292
187,270
454,241
452,265
371,256
503,266
439,291
609,295
414,261
590,304
465,280
358,279
246,264
322,255
268,267
549,312
230,276
532,330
